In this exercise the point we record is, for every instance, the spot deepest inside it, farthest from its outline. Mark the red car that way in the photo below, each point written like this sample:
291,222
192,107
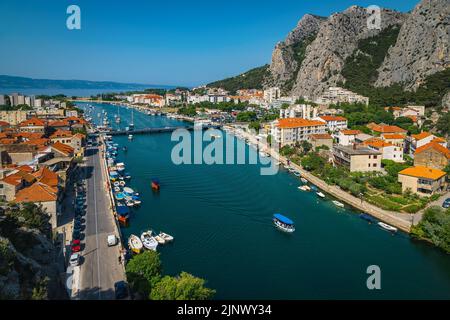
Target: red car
76,248
76,242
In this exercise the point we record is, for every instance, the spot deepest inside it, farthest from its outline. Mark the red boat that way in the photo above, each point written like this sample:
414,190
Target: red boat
155,185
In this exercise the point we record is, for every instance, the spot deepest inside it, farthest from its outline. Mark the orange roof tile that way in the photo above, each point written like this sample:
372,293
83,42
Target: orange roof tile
25,168
61,134
59,123
377,143
297,122
436,146
63,148
421,135
13,179
32,122
423,172
46,176
7,141
37,192
387,129
394,136
4,123
350,132
438,140
38,142
333,118
28,177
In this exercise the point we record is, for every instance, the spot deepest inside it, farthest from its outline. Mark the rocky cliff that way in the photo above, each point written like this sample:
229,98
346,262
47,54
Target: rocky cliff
422,48
28,258
336,40
289,54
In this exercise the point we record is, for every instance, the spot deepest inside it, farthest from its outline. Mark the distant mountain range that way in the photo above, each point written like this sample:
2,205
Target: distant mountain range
13,82
405,61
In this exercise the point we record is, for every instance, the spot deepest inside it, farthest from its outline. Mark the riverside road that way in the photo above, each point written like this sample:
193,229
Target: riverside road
100,267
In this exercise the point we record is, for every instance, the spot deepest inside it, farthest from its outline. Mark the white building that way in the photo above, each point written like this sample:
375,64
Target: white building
304,111
334,123
336,95
2,100
197,98
388,150
346,137
272,94
288,131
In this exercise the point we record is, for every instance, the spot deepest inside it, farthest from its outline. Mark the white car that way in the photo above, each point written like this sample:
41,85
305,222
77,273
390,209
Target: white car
112,240
74,259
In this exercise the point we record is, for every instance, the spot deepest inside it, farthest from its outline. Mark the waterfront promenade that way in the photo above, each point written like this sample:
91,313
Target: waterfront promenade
100,267
400,220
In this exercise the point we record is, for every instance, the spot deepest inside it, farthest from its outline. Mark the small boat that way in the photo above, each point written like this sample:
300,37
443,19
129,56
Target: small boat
148,241
320,194
116,183
155,184
129,203
135,244
283,223
159,239
367,217
127,176
122,183
305,188
166,237
130,137
338,204
304,180
314,188
296,173
387,227
137,202
116,189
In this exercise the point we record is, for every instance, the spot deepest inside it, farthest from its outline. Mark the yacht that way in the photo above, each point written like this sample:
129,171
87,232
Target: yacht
387,227
338,204
320,194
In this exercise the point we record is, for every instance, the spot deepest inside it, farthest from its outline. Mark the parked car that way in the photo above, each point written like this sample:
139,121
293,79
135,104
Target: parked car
112,240
446,203
76,242
74,259
121,290
76,235
76,248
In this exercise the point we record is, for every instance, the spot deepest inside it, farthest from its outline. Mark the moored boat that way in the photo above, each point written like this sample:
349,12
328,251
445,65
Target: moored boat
320,194
135,244
387,227
305,188
367,217
148,241
155,184
304,180
338,204
159,239
166,237
283,223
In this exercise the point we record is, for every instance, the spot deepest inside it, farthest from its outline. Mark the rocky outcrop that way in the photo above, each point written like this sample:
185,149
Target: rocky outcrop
285,63
422,48
28,259
336,40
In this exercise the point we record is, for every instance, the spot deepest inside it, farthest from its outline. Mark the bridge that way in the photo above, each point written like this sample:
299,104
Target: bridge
153,130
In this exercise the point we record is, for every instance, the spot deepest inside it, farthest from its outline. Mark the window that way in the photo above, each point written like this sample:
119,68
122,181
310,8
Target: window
374,165
375,157
369,165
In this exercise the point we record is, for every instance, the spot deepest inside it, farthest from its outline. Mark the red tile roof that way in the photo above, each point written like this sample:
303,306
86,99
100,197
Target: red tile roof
46,176
350,132
333,118
37,192
61,134
13,179
32,122
297,122
63,148
436,146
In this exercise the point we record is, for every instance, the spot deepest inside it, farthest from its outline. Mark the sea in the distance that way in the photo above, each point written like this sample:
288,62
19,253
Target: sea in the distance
220,216
73,92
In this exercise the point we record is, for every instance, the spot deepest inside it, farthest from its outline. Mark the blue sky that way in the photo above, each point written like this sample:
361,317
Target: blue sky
153,42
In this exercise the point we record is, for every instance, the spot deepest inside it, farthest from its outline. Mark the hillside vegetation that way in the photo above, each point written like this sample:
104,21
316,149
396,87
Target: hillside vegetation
251,79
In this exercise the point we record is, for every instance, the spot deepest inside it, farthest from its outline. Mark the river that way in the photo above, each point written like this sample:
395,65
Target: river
220,216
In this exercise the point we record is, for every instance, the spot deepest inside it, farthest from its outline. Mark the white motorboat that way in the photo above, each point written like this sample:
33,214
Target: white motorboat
387,227
160,239
148,241
338,204
166,237
130,137
304,180
135,244
129,203
305,188
296,173
137,202
320,194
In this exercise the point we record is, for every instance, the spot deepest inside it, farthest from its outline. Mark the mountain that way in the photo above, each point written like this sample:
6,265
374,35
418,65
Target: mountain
422,48
405,61
29,83
252,79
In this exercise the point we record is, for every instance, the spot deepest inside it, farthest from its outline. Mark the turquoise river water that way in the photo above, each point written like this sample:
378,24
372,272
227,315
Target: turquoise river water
220,216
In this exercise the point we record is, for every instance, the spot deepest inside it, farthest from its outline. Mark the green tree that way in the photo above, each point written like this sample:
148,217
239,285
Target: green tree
255,125
183,287
144,271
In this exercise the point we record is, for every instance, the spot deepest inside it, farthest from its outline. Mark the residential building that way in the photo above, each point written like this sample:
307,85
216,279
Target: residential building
362,137
335,95
382,129
304,111
357,158
388,150
416,141
62,150
2,100
288,131
396,139
272,94
346,137
33,125
432,155
13,117
334,123
320,140
422,180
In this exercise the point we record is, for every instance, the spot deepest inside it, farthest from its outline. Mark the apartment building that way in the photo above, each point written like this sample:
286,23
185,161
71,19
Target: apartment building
357,158
346,137
335,95
422,180
334,123
388,150
288,131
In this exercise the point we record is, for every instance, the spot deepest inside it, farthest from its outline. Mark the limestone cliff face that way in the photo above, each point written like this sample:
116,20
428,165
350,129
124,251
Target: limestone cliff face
336,40
285,61
422,48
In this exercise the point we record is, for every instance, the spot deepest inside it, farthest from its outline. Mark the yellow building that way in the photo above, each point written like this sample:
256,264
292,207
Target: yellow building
422,180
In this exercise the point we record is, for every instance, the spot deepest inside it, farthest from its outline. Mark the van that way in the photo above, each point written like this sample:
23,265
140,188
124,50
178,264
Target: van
112,240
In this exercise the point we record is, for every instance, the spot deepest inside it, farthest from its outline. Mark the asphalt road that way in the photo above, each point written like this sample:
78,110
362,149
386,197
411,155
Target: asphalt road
100,267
